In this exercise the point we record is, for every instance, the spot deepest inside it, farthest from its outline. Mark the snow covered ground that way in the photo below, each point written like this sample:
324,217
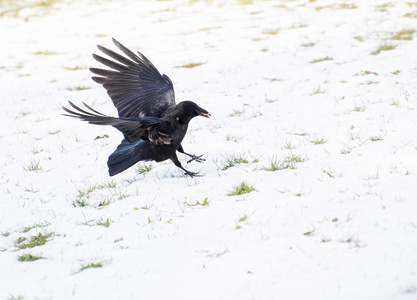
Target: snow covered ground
323,91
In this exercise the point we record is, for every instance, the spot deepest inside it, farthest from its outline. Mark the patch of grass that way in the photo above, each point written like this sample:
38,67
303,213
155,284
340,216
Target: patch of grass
104,136
54,132
236,112
232,138
90,265
357,243
143,168
234,160
205,202
286,163
310,232
318,8
375,138
359,38
257,114
80,203
295,158
245,2
300,193
18,297
218,254
356,138
297,26
87,191
411,15
102,222
405,35
272,79
257,39
34,165
277,165
36,150
120,195
383,7
308,44
346,6
384,47
401,170
395,102
320,59
241,189
79,88
332,173
318,141
104,203
359,108
243,218
37,240
370,82
29,228
46,3
410,289
129,180
271,31
190,65
288,146
316,91
31,190
111,185
346,240
28,257
74,68
329,173
45,53
367,73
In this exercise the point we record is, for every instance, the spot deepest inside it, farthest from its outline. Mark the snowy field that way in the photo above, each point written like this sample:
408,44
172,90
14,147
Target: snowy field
313,105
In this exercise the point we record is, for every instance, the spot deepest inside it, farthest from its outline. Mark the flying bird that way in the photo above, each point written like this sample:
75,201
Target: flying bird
153,125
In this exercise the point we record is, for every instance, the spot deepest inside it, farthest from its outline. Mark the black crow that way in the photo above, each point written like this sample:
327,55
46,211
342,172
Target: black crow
152,124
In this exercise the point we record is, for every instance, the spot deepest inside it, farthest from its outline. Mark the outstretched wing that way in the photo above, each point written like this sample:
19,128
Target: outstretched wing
135,85
134,129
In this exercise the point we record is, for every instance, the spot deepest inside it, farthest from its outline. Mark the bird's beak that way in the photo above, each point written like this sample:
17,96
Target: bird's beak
204,113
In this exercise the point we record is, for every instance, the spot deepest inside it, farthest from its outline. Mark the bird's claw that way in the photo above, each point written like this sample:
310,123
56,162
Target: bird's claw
197,158
192,174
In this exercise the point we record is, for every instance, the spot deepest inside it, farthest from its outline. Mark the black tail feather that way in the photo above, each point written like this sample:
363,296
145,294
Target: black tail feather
125,156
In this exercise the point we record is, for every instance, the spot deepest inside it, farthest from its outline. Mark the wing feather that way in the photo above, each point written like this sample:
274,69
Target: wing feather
134,129
135,86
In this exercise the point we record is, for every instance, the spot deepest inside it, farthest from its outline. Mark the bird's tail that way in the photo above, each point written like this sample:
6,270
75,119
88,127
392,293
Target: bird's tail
125,156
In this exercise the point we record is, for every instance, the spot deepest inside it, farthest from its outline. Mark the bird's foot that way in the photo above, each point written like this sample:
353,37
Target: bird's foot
192,174
197,158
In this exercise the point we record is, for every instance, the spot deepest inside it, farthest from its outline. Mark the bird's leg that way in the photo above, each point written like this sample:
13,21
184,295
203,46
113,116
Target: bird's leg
197,158
175,160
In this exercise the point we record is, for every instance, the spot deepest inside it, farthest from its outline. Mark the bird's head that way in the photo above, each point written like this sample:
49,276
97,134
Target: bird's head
187,110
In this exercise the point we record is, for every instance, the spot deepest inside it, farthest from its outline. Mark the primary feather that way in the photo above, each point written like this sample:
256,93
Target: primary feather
135,86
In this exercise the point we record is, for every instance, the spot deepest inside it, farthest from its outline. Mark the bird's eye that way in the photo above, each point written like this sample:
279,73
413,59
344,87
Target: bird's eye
196,113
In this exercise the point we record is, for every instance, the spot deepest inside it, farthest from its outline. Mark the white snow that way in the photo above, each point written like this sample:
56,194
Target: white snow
341,225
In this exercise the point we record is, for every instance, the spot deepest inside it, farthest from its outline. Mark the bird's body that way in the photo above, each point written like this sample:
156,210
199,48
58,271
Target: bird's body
152,124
